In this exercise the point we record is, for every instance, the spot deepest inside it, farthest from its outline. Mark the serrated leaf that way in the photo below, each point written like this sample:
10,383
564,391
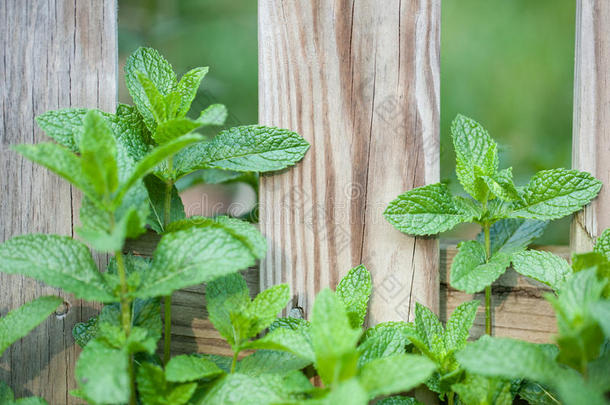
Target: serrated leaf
399,401
270,362
102,373
84,332
501,185
512,235
188,86
602,244
237,388
545,267
58,261
215,114
245,148
62,125
156,194
536,394
385,339
478,390
354,291
471,273
186,368
242,230
552,194
263,309
21,321
459,324
174,128
333,338
393,374
430,331
425,210
297,342
154,389
475,154
225,295
149,62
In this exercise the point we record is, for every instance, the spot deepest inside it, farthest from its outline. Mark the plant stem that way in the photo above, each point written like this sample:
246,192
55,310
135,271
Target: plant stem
167,335
234,362
488,288
126,318
450,398
167,207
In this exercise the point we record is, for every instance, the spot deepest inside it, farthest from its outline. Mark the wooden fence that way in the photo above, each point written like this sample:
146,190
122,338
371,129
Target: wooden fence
360,81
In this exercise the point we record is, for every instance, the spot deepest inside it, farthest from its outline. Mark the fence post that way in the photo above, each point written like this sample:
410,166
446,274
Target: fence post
360,81
591,129
57,54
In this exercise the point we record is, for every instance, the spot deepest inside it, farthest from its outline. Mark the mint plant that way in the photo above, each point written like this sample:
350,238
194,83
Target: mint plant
510,216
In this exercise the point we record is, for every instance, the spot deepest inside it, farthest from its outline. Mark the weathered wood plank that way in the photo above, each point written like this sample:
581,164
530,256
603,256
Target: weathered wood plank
56,54
360,81
591,129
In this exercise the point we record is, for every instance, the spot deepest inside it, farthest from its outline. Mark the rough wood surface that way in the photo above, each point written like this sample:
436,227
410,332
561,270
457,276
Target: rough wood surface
591,130
360,81
55,54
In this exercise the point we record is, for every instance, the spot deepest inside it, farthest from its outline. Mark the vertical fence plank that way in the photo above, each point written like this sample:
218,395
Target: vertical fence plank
591,133
56,53
360,81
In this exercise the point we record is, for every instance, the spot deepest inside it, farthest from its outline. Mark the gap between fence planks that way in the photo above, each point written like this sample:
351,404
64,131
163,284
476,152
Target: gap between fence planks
360,81
591,128
55,54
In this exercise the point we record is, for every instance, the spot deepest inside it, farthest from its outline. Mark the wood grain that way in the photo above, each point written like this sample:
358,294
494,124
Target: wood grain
591,130
360,81
56,53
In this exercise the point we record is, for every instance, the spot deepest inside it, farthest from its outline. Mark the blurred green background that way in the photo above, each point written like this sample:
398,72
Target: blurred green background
506,63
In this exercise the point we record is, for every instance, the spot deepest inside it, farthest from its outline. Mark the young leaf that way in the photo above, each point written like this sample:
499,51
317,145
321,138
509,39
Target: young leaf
334,340
297,342
186,368
542,266
475,154
19,322
354,290
552,194
102,374
225,295
150,63
156,194
237,388
349,392
188,86
215,114
63,125
469,271
501,185
270,362
512,235
174,128
154,389
191,257
58,261
478,390
426,210
99,154
246,148
602,244
393,374
383,340
263,309
459,324
430,330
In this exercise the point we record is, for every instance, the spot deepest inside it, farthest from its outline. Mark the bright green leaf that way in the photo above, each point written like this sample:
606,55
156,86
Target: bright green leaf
459,324
99,154
542,266
156,194
154,389
185,368
354,290
602,244
215,114
512,235
63,125
188,86
470,272
225,295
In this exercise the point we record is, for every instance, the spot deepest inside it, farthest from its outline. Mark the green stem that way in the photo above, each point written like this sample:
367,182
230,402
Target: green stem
488,288
167,207
126,318
450,398
167,336
234,362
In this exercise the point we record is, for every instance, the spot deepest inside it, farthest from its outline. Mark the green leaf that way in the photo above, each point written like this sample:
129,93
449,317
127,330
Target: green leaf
512,235
154,158
150,63
478,390
188,86
154,389
63,125
501,185
99,154
248,234
270,362
469,271
542,266
459,324
399,401
475,155
425,210
191,257
297,342
102,373
215,114
245,148
186,368
383,340
6,393
393,374
602,244
58,261
131,133
225,295
600,310
84,332
552,194
156,194
333,338
7,397
237,388
430,331
263,309
348,392
174,128
536,394
354,290
59,160
19,322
